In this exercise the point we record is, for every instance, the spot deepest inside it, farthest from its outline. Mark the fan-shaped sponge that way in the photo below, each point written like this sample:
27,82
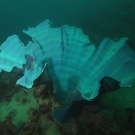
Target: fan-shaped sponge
73,62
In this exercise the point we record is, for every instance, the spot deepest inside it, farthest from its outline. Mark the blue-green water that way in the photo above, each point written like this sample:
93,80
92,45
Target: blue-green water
98,19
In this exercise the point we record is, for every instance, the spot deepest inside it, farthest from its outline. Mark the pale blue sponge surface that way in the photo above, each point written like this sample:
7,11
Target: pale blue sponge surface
73,62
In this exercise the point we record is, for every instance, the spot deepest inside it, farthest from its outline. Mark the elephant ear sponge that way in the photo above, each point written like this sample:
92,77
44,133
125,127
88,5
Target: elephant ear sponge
73,62
11,52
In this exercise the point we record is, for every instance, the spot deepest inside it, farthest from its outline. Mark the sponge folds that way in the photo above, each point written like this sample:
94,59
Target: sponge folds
73,62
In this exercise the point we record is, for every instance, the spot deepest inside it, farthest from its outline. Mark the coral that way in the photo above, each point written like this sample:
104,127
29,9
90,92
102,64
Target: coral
7,128
91,120
7,85
30,129
25,101
34,115
13,113
131,118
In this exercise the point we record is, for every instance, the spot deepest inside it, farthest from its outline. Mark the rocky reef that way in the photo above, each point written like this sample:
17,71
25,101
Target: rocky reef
93,118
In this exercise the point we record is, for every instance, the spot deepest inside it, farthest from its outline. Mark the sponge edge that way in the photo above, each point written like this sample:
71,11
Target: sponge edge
78,63
109,59
62,115
72,61
30,75
12,54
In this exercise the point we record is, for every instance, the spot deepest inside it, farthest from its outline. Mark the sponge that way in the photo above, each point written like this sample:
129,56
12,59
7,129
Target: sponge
70,59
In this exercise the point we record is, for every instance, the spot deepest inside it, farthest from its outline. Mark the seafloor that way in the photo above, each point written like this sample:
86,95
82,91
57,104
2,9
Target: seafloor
30,113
